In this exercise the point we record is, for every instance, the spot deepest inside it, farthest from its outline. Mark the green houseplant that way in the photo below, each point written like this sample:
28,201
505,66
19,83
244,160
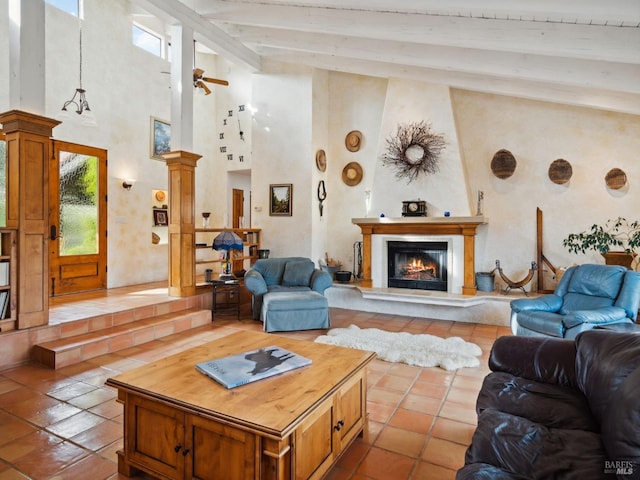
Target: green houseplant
617,234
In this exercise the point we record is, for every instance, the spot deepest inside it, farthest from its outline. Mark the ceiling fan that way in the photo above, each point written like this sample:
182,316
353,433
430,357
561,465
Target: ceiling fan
199,79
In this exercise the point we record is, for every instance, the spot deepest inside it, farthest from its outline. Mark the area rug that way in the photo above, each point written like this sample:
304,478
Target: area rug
421,349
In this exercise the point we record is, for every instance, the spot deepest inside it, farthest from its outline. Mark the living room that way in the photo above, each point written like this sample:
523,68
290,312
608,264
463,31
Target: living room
543,102
297,110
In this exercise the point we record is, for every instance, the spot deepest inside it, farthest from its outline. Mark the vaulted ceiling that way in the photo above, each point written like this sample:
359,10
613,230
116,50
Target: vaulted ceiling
580,52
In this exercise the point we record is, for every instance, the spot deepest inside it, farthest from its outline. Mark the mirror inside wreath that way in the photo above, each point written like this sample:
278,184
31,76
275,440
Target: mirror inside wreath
414,154
414,208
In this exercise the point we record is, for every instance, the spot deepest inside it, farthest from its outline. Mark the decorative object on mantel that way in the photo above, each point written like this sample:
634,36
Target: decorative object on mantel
503,164
205,219
353,140
414,208
321,160
422,349
522,283
352,174
617,232
560,171
322,195
480,203
616,179
414,149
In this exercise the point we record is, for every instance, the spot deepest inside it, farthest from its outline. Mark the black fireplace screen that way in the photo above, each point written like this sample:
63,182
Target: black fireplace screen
418,265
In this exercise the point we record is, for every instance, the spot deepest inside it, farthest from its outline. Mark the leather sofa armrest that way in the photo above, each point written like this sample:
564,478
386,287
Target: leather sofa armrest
601,316
544,303
255,283
320,281
547,360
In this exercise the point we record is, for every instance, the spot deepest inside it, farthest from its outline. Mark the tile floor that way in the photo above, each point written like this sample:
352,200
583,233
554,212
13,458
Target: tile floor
66,424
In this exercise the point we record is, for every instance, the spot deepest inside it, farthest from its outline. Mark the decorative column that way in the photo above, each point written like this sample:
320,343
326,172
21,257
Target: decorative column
28,138
182,186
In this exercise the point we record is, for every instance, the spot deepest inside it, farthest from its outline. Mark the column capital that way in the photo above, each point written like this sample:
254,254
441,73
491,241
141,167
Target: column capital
181,157
20,121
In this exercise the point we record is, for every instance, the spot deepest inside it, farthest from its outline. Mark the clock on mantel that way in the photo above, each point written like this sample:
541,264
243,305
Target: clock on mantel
414,208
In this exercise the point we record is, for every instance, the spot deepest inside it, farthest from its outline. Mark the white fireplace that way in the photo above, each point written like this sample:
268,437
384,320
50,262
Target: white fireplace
455,257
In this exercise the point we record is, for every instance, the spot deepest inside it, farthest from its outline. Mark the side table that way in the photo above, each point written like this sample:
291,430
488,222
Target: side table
226,298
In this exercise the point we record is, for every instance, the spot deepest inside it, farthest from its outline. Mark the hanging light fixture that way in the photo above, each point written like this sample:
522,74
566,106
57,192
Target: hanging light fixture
79,99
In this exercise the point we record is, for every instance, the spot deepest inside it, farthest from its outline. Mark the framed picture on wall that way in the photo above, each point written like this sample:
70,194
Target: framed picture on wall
281,199
160,218
160,138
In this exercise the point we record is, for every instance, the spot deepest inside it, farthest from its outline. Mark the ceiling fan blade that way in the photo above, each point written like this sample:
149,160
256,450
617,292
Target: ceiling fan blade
201,84
215,80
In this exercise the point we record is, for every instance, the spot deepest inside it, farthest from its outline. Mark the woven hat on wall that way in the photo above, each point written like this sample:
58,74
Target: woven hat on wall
616,179
321,160
560,171
503,164
352,174
353,140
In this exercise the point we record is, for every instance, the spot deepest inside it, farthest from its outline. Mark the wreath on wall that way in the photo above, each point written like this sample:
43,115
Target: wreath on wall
414,149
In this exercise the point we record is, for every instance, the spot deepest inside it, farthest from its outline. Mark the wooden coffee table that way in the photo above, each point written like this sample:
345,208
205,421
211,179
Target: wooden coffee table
178,423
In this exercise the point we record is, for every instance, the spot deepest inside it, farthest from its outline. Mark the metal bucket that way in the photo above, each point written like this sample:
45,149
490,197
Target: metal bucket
485,281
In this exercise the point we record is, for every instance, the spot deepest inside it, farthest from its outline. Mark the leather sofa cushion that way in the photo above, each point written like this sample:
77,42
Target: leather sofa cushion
517,445
549,404
597,280
298,273
604,360
579,301
620,432
547,323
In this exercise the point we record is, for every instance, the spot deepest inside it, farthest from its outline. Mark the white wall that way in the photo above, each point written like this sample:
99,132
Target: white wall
299,111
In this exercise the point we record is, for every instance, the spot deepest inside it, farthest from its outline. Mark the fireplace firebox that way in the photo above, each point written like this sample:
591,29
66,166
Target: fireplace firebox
417,265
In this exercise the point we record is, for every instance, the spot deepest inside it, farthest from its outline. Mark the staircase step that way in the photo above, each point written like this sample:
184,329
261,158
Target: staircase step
78,348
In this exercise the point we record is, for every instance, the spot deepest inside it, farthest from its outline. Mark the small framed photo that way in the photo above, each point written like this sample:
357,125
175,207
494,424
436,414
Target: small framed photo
281,199
160,138
160,218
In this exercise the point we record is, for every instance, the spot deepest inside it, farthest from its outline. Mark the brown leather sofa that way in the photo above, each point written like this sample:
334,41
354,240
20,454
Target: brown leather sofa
559,409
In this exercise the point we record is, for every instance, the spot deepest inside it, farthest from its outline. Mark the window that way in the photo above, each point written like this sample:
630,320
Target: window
69,6
147,40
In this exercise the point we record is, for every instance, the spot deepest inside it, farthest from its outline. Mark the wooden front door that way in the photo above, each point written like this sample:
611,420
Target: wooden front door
77,218
238,206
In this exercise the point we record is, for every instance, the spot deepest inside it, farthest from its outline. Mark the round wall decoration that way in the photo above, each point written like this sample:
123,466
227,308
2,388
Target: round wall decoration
503,164
353,140
160,196
352,174
560,171
321,160
616,179
413,150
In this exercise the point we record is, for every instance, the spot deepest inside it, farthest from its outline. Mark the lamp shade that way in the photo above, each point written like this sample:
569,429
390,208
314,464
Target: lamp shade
227,240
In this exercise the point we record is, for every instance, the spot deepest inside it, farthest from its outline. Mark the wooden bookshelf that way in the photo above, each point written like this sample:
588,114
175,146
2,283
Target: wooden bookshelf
8,279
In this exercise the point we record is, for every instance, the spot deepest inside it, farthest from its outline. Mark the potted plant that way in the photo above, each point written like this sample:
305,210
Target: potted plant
618,234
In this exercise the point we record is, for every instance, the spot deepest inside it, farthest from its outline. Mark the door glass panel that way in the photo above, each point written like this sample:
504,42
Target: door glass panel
78,204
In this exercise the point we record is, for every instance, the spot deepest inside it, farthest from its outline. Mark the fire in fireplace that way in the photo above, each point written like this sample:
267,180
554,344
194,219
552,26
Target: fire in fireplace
418,265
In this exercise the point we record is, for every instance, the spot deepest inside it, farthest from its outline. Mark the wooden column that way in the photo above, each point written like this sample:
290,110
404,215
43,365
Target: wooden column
182,186
28,138
469,285
367,281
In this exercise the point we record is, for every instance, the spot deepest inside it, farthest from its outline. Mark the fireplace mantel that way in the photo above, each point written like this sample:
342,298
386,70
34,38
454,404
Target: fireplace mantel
465,226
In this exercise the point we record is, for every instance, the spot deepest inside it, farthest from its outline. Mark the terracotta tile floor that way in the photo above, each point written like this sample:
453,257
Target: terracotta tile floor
66,424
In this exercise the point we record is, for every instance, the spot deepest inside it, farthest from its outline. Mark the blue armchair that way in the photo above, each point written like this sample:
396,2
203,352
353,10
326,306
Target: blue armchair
283,275
586,297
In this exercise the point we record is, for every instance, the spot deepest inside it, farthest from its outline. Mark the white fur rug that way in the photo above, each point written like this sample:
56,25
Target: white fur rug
422,350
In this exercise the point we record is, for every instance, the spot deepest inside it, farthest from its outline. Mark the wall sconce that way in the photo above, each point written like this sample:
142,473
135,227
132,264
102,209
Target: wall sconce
127,184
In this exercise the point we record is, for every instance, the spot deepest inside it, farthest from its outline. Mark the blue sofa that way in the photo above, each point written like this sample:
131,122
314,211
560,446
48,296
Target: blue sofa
587,296
288,293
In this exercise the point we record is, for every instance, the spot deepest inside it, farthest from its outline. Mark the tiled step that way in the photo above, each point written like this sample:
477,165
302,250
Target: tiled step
78,348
